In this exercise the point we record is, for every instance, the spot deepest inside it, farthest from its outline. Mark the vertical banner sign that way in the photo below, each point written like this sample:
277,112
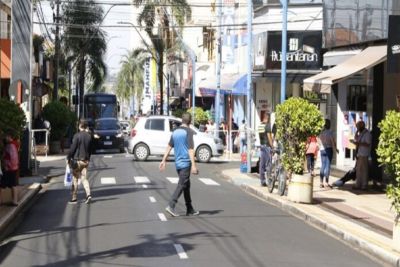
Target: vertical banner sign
148,93
393,53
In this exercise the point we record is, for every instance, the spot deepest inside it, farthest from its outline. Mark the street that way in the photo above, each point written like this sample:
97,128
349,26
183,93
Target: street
126,224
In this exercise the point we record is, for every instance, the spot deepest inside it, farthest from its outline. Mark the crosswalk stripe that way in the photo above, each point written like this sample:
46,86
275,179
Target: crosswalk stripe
181,252
208,181
108,156
173,180
145,186
108,180
141,180
162,217
152,200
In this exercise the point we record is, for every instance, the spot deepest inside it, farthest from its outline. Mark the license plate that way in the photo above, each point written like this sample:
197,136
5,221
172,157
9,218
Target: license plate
107,143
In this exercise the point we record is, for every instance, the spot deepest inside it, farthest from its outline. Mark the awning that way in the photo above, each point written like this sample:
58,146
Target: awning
234,84
368,58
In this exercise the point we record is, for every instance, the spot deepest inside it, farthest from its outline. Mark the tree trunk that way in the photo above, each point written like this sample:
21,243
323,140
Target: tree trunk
160,80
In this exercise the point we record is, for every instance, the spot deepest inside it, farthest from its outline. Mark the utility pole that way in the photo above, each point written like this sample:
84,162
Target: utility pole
218,67
249,81
284,49
57,51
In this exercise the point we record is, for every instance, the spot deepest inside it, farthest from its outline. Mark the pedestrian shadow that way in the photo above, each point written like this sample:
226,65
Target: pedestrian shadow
150,247
210,212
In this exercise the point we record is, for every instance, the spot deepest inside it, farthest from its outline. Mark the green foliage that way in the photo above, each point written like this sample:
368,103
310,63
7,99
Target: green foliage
178,113
296,120
12,120
59,117
388,152
200,116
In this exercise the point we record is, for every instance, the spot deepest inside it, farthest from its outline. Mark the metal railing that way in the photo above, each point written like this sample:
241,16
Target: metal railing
33,150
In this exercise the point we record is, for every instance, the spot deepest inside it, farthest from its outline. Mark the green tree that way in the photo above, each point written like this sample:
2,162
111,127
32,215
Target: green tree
388,152
152,10
296,120
85,43
200,116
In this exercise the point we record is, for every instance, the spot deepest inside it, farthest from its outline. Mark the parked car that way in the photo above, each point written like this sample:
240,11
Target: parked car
125,127
151,135
107,134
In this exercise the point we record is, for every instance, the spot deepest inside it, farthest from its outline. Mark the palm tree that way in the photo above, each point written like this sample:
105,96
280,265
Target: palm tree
84,43
130,77
155,9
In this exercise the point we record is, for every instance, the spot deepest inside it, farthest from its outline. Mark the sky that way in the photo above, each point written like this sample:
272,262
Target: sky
119,40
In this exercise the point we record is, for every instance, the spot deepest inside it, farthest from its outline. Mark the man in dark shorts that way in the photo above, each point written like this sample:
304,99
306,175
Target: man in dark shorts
182,142
10,165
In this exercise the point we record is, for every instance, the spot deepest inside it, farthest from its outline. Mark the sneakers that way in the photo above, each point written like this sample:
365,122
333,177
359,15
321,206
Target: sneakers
192,212
73,201
88,199
171,211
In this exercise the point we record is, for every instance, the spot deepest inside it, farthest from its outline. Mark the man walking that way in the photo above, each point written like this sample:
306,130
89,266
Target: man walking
266,142
78,158
182,142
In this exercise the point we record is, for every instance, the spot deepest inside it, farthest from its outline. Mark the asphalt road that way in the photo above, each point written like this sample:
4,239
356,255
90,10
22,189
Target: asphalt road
126,225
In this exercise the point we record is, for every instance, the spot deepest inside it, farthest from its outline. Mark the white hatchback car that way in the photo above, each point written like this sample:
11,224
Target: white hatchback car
151,135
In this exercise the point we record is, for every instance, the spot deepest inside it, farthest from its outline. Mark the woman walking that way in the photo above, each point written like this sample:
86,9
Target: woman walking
327,146
10,168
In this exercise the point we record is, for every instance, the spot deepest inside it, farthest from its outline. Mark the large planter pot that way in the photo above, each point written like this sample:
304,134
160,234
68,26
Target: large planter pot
396,234
300,188
55,147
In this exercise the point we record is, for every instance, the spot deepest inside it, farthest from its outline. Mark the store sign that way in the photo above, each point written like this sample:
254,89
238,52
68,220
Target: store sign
303,50
393,53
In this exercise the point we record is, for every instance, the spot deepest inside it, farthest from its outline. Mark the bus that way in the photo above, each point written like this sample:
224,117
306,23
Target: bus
99,105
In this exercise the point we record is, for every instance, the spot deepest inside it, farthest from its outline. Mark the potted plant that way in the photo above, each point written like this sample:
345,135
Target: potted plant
388,152
59,117
296,120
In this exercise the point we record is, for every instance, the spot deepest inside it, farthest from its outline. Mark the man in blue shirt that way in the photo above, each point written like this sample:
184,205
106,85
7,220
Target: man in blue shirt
182,142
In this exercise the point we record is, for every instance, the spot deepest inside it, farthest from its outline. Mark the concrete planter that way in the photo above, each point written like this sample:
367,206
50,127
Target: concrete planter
396,233
301,189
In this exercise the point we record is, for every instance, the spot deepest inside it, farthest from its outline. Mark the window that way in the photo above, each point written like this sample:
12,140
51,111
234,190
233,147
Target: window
357,98
174,124
155,124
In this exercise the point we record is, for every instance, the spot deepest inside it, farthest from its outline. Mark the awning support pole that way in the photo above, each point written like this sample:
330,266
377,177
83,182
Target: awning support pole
249,89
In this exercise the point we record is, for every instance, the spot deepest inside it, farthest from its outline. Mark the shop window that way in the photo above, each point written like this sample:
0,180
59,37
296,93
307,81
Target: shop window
357,98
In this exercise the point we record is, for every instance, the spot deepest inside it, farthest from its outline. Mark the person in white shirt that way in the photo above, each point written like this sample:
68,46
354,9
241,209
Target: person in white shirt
242,136
362,140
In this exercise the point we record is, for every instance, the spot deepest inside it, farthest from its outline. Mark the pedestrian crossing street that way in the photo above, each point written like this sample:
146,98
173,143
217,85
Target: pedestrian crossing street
144,181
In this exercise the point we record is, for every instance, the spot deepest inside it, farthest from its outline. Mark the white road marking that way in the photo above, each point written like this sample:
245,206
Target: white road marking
181,252
162,217
141,180
145,186
108,180
173,180
152,200
108,156
208,181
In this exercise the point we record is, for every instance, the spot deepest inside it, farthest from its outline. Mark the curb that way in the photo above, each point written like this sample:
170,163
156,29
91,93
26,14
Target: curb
47,178
354,241
8,222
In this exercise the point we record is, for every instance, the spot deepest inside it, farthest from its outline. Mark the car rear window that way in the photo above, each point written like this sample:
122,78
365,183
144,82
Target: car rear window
154,124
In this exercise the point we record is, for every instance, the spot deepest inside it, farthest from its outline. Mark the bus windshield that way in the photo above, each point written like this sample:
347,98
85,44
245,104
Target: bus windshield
104,106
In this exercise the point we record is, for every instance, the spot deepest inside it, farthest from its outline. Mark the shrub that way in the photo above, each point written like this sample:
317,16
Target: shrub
59,117
12,119
388,152
178,113
200,116
296,120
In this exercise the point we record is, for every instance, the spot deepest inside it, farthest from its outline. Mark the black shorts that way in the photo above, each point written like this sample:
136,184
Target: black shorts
9,179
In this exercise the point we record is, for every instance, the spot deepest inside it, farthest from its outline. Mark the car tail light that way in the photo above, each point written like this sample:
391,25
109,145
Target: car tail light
133,133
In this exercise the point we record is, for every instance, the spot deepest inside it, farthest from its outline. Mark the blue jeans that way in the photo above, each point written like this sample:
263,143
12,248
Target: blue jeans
326,159
265,163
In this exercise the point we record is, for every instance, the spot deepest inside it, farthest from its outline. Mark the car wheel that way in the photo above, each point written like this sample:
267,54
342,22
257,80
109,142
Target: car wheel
141,152
203,153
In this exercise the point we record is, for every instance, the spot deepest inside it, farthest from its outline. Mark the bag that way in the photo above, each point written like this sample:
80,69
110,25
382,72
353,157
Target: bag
67,176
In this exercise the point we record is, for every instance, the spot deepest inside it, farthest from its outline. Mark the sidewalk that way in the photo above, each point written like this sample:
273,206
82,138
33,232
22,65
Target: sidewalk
29,188
362,219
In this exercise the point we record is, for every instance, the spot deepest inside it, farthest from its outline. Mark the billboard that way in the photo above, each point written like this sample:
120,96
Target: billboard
303,50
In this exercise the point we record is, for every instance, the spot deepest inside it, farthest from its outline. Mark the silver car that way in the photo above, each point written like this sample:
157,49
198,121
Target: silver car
152,134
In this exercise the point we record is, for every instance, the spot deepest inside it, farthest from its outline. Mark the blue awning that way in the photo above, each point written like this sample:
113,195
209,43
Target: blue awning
231,84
